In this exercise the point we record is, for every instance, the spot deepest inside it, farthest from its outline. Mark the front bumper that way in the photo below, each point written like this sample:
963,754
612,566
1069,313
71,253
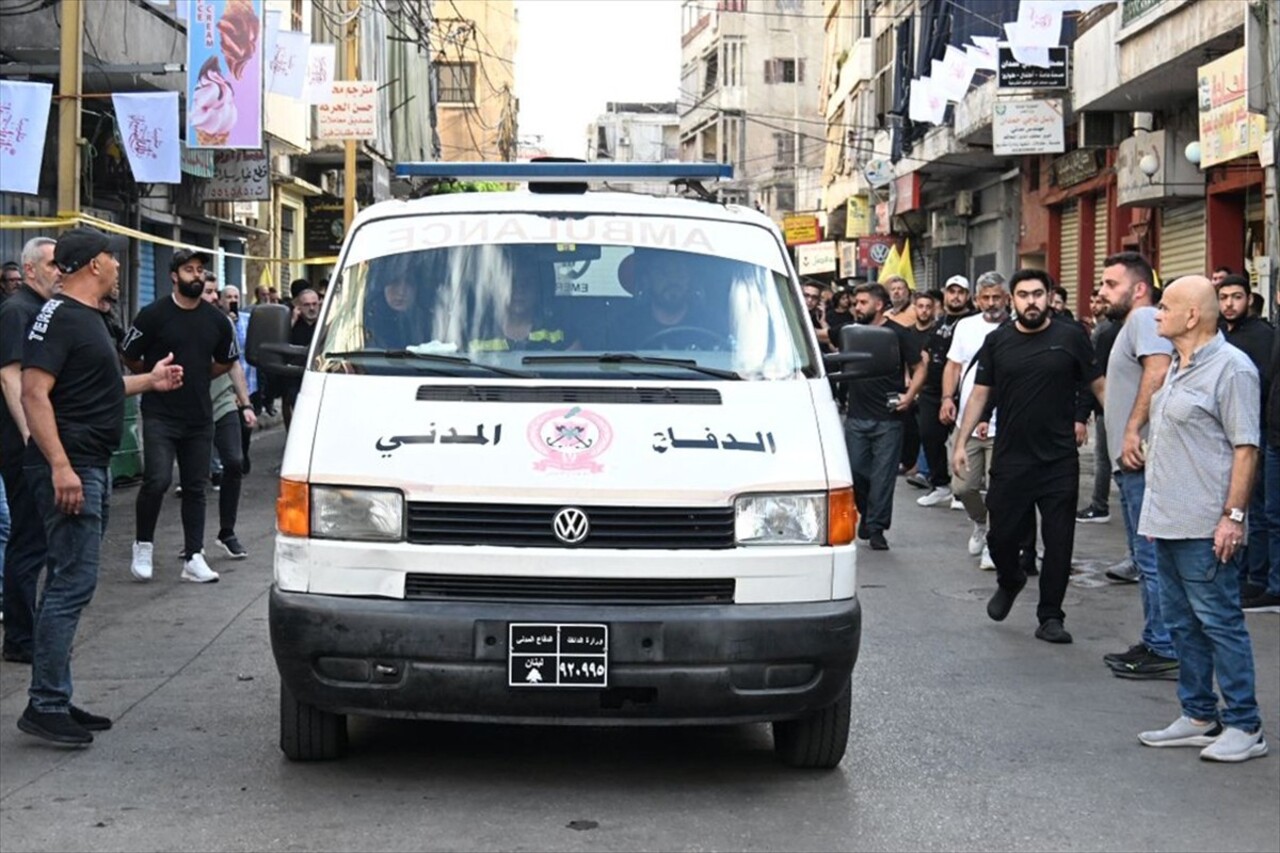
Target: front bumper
667,664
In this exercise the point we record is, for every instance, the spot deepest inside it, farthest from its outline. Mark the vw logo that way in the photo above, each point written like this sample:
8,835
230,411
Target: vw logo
571,525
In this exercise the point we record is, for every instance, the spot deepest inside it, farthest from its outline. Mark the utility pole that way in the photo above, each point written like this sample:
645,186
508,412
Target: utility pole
349,157
71,60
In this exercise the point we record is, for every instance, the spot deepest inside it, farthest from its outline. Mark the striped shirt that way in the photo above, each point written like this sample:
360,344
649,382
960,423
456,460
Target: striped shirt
1205,410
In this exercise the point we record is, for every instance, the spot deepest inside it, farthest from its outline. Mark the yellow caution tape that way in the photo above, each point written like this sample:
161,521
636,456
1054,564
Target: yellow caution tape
9,222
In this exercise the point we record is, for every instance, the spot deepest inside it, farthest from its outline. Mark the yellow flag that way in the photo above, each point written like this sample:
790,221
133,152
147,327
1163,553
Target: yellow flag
890,265
904,265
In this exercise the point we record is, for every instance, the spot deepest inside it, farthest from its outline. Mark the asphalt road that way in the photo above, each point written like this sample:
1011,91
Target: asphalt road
967,734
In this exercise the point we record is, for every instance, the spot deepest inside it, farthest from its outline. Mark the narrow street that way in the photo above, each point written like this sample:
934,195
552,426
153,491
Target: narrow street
967,734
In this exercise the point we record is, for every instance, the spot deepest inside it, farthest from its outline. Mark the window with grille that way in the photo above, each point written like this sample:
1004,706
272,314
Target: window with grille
287,228
784,70
457,82
295,15
785,146
711,73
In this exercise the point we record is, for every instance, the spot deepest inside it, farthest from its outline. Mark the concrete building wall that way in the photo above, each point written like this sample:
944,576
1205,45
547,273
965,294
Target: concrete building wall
483,33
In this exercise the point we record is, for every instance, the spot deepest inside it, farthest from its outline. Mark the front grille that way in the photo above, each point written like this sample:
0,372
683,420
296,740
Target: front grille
530,526
426,587
584,395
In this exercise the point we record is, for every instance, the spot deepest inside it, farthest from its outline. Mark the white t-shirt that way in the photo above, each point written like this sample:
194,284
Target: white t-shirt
966,340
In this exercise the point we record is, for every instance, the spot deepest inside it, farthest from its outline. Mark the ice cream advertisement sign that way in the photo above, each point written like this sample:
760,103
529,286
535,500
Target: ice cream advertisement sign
224,74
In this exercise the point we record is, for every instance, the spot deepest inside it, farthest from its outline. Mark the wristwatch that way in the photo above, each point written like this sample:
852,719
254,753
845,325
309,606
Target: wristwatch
1235,514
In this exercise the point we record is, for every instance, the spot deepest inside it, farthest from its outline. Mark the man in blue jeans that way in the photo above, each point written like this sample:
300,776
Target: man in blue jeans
1268,600
73,399
1200,466
873,427
1136,367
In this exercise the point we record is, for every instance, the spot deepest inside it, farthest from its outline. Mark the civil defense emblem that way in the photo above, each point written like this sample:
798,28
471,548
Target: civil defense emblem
570,440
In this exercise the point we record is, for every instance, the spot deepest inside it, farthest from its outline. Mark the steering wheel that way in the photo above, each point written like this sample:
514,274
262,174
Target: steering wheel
692,333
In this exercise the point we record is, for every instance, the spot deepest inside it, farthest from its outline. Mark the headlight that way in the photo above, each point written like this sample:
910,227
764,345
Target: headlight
370,514
781,519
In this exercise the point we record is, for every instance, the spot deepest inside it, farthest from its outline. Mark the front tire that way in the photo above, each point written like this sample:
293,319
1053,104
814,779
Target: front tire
309,734
817,740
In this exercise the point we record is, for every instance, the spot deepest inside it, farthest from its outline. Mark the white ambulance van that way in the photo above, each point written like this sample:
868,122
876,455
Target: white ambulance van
565,457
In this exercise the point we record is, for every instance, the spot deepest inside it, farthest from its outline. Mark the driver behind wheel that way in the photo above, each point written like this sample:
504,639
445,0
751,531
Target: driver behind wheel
670,309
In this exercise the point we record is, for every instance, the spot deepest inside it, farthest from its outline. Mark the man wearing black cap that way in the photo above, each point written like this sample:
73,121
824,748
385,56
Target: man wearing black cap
179,425
73,401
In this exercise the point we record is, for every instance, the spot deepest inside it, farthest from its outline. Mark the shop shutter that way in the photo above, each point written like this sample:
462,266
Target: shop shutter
922,266
1069,266
1182,242
1099,239
146,272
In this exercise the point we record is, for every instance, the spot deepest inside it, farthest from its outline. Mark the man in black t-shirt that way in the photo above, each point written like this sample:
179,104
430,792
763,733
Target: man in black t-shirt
25,552
873,427
957,303
1033,367
178,425
73,400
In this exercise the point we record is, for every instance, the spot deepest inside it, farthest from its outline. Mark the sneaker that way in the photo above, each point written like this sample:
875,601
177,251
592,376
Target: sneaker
1149,666
1093,515
1002,602
956,503
1132,655
90,722
1265,603
986,563
1251,590
940,495
1183,732
878,542
920,481
177,490
140,568
232,546
55,728
195,569
1125,571
978,539
1051,631
1236,745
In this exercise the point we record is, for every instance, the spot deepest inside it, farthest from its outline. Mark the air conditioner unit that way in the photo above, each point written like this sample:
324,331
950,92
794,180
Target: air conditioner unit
330,181
947,230
282,164
964,203
1101,130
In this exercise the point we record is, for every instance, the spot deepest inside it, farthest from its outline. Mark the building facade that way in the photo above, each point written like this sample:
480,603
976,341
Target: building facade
749,97
475,50
636,133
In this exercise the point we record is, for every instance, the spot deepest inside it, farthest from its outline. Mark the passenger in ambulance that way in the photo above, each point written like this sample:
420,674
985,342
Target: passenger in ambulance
671,310
525,321
398,306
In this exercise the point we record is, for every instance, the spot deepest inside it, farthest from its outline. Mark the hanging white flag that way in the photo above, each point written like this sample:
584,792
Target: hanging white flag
925,102
24,118
983,53
321,62
287,64
148,125
1039,23
271,22
957,74
1022,52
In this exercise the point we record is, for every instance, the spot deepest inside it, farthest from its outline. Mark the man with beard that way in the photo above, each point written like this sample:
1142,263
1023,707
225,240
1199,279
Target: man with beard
1253,336
178,424
25,553
306,311
1136,368
1099,509
956,305
900,310
957,387
873,428
1032,367
813,294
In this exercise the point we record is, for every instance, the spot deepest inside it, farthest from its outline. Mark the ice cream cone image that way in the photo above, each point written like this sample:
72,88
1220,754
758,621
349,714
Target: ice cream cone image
213,106
238,31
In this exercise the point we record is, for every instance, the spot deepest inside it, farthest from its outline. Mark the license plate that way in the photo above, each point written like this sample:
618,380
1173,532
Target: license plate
556,654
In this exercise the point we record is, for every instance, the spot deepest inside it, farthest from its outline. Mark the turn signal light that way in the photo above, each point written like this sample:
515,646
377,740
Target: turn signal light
842,516
293,508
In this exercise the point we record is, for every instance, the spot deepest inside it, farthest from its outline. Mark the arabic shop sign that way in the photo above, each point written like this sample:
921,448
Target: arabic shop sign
1227,129
1131,10
1012,74
240,176
799,229
352,113
1075,167
1027,127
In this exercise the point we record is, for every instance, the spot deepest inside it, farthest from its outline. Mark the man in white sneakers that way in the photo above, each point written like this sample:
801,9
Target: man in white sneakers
180,424
957,384
1200,466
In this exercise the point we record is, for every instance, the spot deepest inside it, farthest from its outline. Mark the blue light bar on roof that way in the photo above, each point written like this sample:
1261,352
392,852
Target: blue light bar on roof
581,172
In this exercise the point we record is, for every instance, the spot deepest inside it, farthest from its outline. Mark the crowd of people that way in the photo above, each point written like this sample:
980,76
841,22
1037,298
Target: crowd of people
996,387
63,356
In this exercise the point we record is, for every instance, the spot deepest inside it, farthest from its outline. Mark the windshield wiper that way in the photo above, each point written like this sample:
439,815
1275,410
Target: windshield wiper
631,358
456,360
